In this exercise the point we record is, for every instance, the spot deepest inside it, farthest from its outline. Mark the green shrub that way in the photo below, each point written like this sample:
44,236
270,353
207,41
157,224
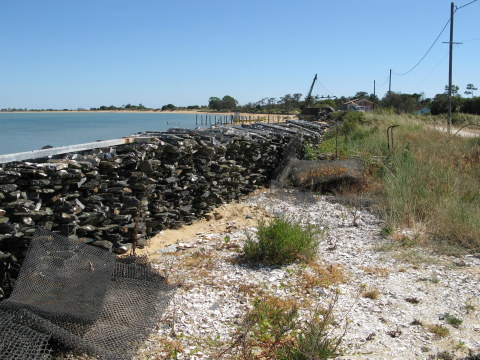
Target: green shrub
282,241
350,120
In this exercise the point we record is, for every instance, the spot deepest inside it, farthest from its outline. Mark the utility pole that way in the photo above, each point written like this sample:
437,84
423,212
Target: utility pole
373,88
390,82
452,6
452,11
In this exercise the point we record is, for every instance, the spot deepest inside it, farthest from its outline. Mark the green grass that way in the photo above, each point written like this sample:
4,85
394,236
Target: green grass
281,241
434,183
453,321
425,181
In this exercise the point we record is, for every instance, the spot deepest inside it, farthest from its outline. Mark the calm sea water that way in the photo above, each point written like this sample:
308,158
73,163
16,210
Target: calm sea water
31,131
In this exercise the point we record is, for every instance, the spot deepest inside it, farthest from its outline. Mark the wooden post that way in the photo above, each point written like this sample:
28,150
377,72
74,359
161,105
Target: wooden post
449,127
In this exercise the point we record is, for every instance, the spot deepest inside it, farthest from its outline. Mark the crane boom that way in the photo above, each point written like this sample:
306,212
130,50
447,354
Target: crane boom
310,113
308,98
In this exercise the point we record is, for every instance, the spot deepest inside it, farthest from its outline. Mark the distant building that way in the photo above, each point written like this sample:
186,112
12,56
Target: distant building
359,105
424,110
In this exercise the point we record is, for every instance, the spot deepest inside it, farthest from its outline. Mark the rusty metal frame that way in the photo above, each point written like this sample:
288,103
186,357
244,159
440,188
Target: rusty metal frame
390,136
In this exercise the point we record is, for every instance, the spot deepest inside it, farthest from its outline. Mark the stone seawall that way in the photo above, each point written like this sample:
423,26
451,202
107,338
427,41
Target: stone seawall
111,196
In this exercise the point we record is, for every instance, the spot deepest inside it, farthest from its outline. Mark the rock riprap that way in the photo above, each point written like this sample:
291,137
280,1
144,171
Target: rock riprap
111,197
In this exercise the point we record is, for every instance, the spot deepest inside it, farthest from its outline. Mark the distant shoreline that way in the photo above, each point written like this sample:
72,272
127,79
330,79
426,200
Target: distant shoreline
143,112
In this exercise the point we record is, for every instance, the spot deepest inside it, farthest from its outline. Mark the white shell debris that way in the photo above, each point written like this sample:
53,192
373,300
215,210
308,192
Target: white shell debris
213,297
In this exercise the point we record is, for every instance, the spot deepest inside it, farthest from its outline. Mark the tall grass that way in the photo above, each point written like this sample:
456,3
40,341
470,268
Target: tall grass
436,183
426,180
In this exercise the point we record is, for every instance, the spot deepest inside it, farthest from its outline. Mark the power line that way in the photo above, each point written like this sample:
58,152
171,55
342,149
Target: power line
431,71
430,48
459,7
478,38
386,80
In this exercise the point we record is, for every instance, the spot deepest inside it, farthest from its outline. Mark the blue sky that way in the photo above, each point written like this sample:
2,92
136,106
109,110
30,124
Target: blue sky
87,53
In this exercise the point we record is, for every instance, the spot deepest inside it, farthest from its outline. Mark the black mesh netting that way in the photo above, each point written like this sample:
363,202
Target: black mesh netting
81,297
19,342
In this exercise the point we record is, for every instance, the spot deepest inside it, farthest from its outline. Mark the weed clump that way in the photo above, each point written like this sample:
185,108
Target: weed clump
272,330
438,330
453,321
282,241
271,319
313,342
372,294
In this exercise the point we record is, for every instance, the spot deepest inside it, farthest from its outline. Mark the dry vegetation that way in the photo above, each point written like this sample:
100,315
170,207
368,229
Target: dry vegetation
428,181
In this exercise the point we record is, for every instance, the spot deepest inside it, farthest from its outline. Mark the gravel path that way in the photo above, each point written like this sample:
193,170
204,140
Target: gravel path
415,288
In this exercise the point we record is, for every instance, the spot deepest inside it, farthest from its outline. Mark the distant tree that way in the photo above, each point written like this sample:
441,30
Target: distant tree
471,106
402,103
226,103
168,107
373,98
296,98
361,95
455,89
290,102
439,104
229,103
215,103
263,102
339,101
470,89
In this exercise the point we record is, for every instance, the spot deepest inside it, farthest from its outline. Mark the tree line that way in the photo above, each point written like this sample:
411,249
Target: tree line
294,103
395,101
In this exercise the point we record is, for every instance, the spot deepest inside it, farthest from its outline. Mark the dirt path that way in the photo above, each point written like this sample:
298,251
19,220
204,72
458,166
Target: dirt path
465,132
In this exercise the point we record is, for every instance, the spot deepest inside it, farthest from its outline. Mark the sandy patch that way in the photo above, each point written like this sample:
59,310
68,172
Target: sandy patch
222,220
